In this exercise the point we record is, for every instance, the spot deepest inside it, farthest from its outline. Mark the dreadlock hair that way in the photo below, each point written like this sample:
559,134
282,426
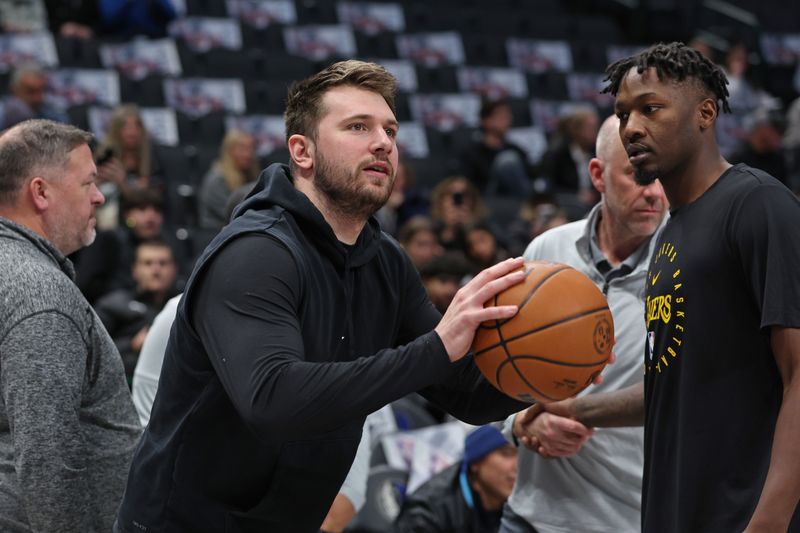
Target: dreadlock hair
674,61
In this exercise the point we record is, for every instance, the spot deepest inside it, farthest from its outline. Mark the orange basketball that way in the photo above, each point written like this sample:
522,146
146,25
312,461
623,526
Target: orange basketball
557,343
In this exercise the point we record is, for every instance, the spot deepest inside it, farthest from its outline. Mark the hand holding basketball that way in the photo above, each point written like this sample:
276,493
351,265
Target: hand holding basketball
558,342
467,311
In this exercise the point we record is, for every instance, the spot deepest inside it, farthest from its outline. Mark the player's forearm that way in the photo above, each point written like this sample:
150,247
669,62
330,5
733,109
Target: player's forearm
620,408
781,491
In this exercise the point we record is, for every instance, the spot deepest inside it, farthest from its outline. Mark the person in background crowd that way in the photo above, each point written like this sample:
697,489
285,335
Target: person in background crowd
455,203
106,265
762,146
125,162
27,100
467,497
128,313
482,246
236,166
443,276
419,241
492,163
565,164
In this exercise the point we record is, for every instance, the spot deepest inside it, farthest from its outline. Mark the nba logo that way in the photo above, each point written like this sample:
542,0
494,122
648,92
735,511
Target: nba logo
651,341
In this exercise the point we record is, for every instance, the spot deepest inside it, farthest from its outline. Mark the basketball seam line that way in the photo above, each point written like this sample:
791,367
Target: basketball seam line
527,298
503,341
533,388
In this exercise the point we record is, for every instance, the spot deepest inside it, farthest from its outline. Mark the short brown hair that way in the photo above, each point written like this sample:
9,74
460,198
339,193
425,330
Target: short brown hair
304,102
33,147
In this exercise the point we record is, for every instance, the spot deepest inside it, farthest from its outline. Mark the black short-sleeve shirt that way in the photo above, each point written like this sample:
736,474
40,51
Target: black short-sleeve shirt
726,268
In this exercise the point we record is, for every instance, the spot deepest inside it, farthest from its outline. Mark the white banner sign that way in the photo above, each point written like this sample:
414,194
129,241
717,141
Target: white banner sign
138,59
199,96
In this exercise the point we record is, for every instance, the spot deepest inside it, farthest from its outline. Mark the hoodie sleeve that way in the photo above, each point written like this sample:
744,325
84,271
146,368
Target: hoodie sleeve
247,318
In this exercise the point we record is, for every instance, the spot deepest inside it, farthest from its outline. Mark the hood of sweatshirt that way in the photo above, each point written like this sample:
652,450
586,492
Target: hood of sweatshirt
275,189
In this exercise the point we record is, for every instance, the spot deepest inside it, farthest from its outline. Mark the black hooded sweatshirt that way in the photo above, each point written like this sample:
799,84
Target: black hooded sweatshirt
284,341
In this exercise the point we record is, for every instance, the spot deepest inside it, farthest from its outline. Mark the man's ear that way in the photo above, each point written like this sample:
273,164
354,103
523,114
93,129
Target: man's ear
707,113
596,167
40,193
301,150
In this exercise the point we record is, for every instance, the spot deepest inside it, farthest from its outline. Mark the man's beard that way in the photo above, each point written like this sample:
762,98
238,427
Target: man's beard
644,177
344,192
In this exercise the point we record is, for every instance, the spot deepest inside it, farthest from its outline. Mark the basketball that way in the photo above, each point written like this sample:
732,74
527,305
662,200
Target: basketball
557,343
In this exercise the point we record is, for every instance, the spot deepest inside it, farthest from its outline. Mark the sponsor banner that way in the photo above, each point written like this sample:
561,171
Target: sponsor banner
402,69
19,48
432,49
201,34
141,58
319,43
531,139
71,87
493,82
372,18
199,96
539,56
585,87
262,13
267,130
412,141
160,123
446,112
546,114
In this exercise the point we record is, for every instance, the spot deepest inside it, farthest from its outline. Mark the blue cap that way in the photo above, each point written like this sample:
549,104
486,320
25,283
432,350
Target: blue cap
481,442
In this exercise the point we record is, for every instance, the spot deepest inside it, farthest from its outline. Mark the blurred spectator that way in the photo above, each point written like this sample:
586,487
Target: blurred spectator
482,247
762,146
443,276
565,164
703,46
128,313
125,162
23,16
467,497
106,264
744,92
491,162
72,18
127,18
236,166
28,88
538,214
455,202
419,240
403,202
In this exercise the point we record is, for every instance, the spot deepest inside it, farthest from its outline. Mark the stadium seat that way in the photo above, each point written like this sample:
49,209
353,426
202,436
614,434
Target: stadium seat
78,53
147,92
385,491
207,129
206,8
437,79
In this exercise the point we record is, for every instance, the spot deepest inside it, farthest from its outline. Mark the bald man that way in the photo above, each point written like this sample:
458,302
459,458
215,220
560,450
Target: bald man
68,427
599,489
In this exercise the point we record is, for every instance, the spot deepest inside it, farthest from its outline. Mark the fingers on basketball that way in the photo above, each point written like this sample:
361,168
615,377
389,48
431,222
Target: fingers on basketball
556,344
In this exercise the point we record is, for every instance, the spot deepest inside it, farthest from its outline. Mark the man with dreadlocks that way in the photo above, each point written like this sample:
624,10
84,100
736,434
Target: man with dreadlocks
722,357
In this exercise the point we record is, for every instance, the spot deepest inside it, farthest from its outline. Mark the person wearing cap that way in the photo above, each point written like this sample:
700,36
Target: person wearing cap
468,496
